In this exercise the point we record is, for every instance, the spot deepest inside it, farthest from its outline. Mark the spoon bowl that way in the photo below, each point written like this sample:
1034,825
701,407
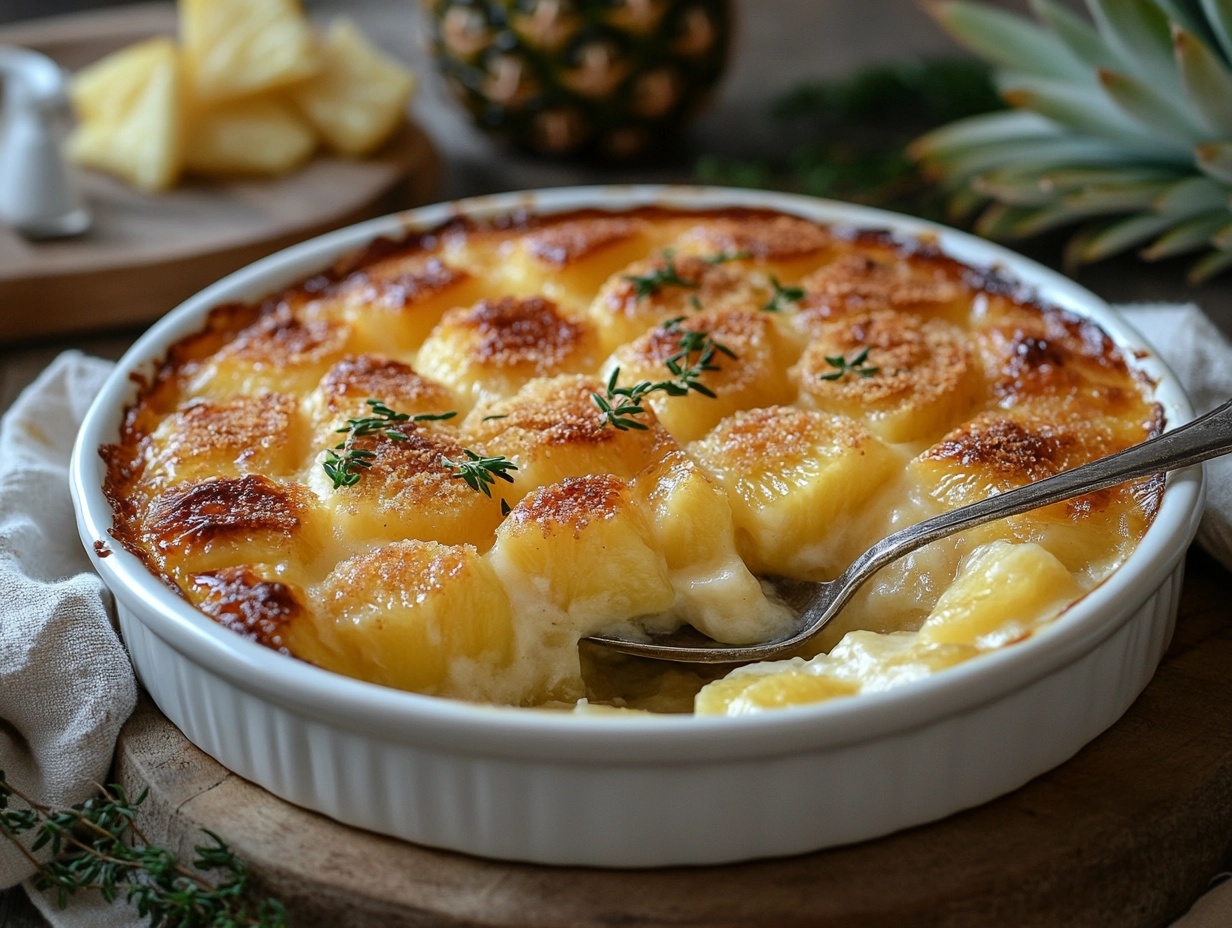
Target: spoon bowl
818,603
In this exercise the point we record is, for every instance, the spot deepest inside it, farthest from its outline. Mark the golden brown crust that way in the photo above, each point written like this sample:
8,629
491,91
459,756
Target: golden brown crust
767,237
572,504
239,599
862,282
564,243
402,288
369,376
196,514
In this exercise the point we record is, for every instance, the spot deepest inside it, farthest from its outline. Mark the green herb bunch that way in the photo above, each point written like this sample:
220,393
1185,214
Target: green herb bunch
97,845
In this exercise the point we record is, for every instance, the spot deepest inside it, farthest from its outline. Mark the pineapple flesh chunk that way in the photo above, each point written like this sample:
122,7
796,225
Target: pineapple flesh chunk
552,430
904,377
255,135
796,481
576,558
493,348
416,615
233,48
358,96
747,358
1003,591
692,525
131,117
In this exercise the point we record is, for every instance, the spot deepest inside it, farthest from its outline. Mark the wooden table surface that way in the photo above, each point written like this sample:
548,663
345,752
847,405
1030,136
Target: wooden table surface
781,42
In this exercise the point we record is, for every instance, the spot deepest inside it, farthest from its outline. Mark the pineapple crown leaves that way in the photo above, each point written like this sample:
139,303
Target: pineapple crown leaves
1121,124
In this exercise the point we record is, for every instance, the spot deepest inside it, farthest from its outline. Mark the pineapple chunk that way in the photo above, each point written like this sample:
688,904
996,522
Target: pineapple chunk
575,558
234,48
407,490
915,378
796,480
416,615
1002,592
553,430
359,96
669,286
692,525
750,693
751,375
258,135
493,348
131,120
568,261
584,548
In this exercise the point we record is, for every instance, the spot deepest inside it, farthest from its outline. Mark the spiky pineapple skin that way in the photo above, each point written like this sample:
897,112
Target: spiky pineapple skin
607,78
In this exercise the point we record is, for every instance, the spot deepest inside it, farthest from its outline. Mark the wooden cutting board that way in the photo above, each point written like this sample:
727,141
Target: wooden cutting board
1125,835
146,253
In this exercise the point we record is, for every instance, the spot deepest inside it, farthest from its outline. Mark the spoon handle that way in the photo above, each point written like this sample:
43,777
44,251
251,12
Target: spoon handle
1199,440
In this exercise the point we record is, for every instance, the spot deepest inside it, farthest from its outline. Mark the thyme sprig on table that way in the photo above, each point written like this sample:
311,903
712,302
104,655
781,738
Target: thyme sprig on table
857,365
97,845
345,469
695,356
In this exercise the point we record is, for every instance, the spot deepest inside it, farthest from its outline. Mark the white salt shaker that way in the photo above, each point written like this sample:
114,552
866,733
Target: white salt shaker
39,196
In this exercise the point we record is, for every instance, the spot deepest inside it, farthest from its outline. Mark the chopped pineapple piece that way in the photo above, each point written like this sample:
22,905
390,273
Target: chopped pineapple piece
1002,592
693,527
359,95
258,135
575,558
129,106
416,615
553,430
583,547
233,48
906,378
493,348
749,693
795,480
740,356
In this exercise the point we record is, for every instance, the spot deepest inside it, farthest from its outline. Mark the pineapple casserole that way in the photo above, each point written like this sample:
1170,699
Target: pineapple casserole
440,463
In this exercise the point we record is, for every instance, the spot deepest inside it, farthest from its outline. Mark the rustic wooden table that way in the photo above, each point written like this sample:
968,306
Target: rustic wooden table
781,42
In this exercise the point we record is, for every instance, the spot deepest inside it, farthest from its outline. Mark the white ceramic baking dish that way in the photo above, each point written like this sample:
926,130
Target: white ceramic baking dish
638,791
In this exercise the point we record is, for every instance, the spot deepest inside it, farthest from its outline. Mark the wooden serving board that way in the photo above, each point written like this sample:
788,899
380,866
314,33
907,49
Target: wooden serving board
145,253
1125,835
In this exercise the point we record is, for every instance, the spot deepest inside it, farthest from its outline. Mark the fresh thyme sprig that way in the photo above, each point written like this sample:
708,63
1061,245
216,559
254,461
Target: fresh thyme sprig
97,845
345,469
781,296
480,472
646,285
857,365
695,356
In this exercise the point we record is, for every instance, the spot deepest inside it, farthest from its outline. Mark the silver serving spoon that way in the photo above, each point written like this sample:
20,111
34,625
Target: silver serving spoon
1206,437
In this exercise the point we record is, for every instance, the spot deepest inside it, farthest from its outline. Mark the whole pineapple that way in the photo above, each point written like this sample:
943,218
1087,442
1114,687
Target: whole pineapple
1123,123
568,77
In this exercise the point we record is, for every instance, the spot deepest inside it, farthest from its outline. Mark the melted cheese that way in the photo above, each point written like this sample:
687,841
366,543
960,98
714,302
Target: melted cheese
854,384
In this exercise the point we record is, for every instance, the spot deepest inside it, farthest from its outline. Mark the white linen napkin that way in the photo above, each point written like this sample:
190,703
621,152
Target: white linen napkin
66,685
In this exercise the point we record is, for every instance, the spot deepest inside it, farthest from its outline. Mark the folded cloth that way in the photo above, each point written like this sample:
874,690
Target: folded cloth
66,685
1201,358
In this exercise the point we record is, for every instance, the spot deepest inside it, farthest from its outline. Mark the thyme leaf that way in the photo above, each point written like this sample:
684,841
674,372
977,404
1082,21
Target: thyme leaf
857,365
781,296
480,473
